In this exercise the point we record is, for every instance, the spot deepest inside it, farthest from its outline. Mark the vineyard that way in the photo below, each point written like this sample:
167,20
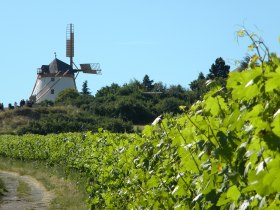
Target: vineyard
223,153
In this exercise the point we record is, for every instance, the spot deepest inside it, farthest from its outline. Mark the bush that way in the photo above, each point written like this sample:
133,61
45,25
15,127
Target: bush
66,96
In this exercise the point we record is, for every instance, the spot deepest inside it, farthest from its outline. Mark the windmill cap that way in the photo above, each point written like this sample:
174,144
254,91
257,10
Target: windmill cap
58,66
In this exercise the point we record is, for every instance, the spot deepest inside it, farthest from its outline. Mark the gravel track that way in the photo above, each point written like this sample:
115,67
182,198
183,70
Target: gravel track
38,199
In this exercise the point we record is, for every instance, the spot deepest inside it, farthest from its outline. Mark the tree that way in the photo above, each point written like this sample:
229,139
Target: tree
218,69
198,86
200,76
199,83
10,106
176,91
108,91
129,109
244,63
159,87
22,102
67,96
170,104
85,88
147,83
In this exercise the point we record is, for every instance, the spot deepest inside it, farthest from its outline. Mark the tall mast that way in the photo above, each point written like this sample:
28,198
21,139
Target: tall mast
70,43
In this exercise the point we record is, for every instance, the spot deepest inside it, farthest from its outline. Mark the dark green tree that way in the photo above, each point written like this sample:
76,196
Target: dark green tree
129,109
85,88
67,96
147,83
198,86
159,87
176,91
218,69
170,105
1,106
10,106
200,76
244,63
108,91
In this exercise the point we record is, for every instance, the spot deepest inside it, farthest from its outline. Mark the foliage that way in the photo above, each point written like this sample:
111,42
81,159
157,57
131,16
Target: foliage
10,106
244,64
59,122
130,109
45,103
132,102
44,120
198,86
67,95
113,107
169,105
108,91
1,107
219,69
222,153
147,83
85,88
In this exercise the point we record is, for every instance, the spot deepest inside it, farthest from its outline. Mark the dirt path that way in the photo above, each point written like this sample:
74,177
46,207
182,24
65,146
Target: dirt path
38,199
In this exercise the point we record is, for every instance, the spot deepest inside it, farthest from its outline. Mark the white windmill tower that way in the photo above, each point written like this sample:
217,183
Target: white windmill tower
58,76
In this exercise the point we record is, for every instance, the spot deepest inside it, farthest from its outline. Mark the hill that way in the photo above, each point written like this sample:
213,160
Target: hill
56,119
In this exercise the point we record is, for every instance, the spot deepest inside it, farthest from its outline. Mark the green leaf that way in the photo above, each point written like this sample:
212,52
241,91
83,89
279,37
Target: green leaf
223,200
244,84
256,111
276,124
272,82
251,47
233,193
241,33
212,106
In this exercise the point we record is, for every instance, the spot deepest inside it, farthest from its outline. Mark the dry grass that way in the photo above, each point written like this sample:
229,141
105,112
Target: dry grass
13,120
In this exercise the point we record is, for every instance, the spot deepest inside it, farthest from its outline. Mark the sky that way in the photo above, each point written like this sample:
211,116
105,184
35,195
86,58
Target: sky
169,40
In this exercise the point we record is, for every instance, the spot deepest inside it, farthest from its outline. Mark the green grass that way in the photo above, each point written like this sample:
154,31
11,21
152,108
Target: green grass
2,188
23,189
68,189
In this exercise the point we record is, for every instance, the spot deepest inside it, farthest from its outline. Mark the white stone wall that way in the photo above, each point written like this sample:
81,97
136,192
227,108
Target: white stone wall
45,85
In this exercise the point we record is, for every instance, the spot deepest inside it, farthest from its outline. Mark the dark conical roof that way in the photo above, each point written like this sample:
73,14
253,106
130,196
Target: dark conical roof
59,66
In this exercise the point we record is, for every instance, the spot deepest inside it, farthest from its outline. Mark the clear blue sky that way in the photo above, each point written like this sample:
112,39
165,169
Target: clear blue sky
171,41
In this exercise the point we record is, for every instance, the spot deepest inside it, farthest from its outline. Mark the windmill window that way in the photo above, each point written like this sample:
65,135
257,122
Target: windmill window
52,91
52,79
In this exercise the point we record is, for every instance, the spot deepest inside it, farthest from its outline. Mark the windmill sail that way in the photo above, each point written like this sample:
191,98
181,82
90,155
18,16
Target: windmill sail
91,68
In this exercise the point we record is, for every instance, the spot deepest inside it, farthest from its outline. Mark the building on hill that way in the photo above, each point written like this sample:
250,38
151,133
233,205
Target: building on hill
52,79
58,76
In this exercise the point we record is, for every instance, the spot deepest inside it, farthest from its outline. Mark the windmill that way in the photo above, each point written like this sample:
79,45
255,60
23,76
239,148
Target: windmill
58,75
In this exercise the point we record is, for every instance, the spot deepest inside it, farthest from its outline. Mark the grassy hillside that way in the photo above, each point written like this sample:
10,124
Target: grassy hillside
12,120
56,119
